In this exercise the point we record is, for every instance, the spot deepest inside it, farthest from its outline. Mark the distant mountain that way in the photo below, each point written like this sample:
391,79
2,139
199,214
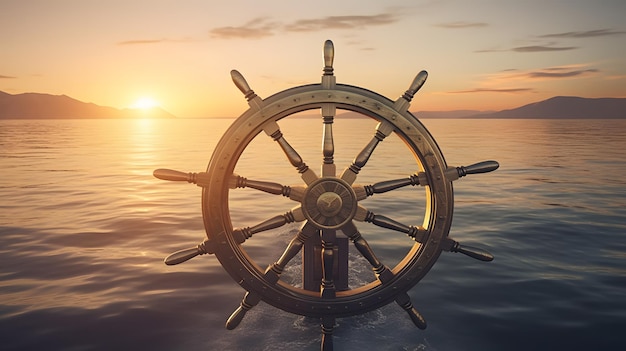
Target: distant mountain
46,106
561,107
558,107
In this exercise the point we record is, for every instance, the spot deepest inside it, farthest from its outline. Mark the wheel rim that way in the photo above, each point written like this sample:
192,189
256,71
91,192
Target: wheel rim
250,124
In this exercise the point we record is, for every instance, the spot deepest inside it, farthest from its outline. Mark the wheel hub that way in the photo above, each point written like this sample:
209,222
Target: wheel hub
329,203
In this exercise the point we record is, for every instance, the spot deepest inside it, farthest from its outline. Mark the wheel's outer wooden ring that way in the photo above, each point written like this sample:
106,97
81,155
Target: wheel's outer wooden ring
409,271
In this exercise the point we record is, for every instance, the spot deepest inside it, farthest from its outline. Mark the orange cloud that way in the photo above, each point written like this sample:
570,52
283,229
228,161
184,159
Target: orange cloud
531,48
340,22
560,72
512,81
542,48
485,90
254,29
263,27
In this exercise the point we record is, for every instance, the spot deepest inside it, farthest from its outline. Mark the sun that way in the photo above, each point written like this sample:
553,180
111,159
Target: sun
145,103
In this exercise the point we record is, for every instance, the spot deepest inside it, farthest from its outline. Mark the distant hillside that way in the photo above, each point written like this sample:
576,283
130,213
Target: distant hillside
566,107
46,106
559,107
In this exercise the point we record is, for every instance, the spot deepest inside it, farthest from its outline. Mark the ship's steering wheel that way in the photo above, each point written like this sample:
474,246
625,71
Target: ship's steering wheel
328,205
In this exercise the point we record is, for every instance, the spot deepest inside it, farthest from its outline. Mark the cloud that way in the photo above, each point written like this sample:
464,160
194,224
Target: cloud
254,29
461,24
486,90
584,34
548,73
340,22
560,72
6,77
532,48
542,48
550,47
263,27
512,81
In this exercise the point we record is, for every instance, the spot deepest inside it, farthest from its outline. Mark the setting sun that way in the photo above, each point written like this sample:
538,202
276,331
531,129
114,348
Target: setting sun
144,103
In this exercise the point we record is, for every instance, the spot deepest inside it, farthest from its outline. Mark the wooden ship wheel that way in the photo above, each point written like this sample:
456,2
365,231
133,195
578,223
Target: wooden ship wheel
328,205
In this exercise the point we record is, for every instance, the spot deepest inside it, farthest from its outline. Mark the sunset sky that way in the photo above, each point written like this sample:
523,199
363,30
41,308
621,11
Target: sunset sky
481,55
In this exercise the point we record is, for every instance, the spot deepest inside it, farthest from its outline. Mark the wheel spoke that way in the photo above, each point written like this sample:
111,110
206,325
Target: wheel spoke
454,173
383,129
293,192
404,301
382,272
249,300
328,325
205,247
254,100
201,178
328,146
417,233
402,104
273,130
328,112
273,272
328,257
454,246
363,191
295,215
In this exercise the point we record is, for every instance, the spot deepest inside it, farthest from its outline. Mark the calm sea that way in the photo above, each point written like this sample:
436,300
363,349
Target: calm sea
84,228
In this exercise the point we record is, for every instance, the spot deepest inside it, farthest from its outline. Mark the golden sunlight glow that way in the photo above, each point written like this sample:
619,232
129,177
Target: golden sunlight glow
145,103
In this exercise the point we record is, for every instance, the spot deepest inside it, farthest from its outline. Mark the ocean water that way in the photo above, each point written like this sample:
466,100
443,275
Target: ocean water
84,228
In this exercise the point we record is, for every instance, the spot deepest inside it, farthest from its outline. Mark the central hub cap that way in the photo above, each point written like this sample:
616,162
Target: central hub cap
329,203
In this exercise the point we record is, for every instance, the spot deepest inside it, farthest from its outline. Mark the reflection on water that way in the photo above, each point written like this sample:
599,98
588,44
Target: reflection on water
84,227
